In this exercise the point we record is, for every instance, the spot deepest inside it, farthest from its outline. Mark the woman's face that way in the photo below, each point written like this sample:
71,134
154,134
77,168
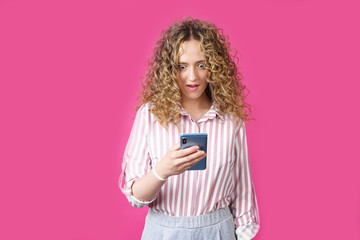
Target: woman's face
192,73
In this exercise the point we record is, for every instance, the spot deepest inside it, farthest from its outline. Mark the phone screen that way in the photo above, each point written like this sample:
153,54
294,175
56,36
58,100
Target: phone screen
192,139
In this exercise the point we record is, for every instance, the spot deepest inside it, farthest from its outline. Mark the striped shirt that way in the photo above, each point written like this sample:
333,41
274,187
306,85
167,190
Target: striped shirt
225,182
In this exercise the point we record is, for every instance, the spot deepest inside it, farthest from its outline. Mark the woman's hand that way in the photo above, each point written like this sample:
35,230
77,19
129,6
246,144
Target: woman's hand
178,160
174,162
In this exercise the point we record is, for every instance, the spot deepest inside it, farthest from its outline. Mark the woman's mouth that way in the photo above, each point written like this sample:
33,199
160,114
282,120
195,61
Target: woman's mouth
192,87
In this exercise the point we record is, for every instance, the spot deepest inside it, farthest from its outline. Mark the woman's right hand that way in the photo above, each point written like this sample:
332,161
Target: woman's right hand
178,160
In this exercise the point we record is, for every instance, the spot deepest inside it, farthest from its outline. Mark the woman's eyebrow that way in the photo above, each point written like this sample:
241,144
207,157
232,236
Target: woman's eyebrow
195,62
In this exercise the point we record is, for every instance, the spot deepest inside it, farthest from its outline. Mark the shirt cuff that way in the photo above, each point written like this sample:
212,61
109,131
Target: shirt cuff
248,231
132,199
138,203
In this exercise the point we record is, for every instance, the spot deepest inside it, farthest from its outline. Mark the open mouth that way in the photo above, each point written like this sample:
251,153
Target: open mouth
192,87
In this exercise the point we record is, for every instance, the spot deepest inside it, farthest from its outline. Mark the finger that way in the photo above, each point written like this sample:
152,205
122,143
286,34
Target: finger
186,151
193,162
186,164
190,158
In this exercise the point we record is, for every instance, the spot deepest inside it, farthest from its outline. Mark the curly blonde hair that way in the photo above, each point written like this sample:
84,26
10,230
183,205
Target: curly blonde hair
161,89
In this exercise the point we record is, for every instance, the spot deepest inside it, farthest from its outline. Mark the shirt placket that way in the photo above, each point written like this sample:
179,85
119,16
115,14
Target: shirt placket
197,127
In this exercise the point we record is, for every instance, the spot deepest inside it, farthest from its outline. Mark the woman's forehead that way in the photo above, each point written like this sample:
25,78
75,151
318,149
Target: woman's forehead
190,51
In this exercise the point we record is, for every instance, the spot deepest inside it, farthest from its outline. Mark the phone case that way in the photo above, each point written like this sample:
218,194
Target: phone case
192,139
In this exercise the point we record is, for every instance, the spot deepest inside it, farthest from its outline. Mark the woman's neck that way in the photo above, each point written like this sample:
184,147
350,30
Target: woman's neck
197,107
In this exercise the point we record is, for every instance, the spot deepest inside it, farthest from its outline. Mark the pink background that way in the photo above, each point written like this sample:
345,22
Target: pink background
70,72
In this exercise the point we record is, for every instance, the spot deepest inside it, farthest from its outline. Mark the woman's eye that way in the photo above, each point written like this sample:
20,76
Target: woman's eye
202,65
181,66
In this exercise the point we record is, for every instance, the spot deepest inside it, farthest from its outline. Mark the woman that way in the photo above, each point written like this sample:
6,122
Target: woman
192,86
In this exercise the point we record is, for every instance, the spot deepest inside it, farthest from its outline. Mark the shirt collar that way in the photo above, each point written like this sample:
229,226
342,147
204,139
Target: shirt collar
210,114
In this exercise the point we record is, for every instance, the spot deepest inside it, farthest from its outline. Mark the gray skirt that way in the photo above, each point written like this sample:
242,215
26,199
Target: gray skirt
217,225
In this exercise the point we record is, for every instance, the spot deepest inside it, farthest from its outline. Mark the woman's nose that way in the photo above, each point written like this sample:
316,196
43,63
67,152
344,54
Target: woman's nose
192,74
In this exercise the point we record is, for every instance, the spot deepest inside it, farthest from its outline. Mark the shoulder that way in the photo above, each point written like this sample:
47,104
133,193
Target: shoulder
144,111
241,129
144,107
235,126
234,121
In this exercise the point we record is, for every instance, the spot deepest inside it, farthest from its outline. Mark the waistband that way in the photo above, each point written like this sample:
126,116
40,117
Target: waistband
204,220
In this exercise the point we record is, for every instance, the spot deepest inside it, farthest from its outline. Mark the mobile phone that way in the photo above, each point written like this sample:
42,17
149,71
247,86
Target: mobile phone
198,139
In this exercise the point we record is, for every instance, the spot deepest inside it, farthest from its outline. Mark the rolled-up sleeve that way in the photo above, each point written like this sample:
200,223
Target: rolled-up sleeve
136,160
244,203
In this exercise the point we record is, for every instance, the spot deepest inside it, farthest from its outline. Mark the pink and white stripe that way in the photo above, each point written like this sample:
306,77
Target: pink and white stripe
226,181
